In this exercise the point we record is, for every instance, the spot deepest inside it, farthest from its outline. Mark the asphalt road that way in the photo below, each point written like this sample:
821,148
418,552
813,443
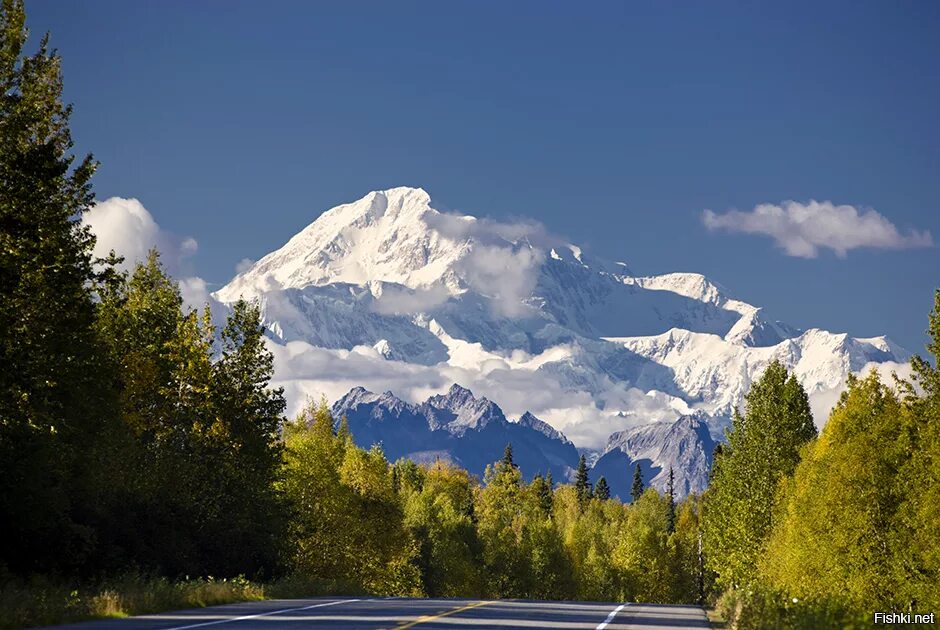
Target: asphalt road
421,614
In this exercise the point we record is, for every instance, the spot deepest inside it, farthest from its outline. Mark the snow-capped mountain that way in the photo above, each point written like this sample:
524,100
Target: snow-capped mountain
389,293
457,427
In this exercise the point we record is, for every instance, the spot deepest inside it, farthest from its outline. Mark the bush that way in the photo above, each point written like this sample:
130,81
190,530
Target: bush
765,609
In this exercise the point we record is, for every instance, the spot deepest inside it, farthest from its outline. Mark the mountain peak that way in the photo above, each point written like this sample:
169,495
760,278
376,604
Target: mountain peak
390,236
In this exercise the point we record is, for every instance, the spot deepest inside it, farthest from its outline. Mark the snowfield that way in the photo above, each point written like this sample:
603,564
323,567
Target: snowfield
388,293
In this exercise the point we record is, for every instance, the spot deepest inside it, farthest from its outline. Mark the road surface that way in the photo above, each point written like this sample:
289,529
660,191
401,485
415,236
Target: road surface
420,614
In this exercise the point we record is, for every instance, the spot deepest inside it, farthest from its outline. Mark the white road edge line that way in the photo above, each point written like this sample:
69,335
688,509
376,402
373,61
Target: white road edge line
610,617
267,614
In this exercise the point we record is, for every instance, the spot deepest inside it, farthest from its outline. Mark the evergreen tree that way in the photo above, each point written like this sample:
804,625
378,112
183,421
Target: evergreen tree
245,449
57,405
507,457
602,490
671,506
581,482
764,446
636,491
543,490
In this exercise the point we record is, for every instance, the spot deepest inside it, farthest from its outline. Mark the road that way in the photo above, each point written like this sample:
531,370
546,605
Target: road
404,613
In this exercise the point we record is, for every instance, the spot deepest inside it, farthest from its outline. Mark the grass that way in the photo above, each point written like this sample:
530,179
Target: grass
715,619
42,602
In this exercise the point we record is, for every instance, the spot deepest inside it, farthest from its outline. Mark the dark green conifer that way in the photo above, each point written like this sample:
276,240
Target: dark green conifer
671,506
543,491
581,482
57,401
636,491
507,462
602,490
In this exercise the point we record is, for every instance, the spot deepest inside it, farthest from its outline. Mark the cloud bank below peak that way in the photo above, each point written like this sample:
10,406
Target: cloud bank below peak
802,229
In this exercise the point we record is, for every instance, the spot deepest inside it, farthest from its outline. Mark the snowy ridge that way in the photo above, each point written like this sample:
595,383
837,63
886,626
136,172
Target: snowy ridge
388,292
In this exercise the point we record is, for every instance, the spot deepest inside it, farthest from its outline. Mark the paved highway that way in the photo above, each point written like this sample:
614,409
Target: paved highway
404,613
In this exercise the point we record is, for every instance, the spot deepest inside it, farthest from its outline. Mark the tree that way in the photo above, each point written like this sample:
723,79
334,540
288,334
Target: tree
764,446
671,506
57,420
244,448
436,515
348,525
507,457
543,490
636,491
602,490
582,484
839,534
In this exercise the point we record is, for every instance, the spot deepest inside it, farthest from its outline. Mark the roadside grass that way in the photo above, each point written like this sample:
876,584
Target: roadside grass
44,602
41,602
715,619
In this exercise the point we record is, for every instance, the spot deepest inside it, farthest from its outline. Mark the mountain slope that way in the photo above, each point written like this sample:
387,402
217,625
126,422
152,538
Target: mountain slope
388,292
456,426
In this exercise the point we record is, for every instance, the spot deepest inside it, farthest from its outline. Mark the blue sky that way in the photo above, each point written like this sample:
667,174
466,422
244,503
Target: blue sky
616,125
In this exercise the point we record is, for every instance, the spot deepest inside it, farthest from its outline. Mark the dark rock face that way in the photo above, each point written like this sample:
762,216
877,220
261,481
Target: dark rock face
685,444
458,427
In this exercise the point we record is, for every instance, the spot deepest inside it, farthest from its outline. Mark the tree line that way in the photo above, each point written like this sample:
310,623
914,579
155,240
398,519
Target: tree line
807,530
137,436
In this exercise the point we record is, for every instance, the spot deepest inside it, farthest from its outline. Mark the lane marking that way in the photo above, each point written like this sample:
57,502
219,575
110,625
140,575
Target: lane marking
428,618
610,617
267,614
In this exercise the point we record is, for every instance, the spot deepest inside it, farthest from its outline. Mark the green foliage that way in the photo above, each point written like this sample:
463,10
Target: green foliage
602,490
348,524
763,448
855,526
761,608
636,490
846,477
671,508
437,515
507,456
581,482
56,411
41,601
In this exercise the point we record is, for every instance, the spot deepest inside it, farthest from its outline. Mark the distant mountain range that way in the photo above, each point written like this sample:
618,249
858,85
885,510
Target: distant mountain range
388,293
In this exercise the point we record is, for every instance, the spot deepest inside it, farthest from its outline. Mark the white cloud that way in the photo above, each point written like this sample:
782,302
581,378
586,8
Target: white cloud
128,228
802,229
507,275
244,265
391,299
505,259
307,372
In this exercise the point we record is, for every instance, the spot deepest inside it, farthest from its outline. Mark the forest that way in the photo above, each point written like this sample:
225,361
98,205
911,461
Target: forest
146,462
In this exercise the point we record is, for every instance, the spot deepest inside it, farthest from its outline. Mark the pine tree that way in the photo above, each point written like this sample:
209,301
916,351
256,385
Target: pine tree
671,494
507,462
245,450
543,491
602,490
581,482
636,491
57,405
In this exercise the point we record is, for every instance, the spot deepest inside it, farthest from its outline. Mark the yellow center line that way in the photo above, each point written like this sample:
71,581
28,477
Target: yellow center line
428,618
